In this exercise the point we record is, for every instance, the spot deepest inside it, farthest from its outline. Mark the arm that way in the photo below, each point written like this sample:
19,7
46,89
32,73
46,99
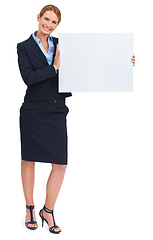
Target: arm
29,75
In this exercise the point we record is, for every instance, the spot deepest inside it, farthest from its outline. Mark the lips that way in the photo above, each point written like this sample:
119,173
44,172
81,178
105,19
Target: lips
46,29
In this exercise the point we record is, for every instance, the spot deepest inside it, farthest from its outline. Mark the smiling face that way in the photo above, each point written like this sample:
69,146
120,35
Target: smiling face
47,23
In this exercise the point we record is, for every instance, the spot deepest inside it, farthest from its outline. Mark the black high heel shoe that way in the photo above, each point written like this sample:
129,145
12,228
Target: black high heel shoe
51,229
31,207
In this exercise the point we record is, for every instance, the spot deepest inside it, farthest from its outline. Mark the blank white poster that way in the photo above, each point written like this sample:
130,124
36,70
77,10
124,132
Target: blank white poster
96,62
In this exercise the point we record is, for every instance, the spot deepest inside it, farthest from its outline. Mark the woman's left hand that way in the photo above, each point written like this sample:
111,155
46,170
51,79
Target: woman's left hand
133,59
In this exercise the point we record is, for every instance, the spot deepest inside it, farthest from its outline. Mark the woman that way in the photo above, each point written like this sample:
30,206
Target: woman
42,115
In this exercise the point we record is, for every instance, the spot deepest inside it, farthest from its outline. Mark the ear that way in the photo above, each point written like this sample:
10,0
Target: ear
38,17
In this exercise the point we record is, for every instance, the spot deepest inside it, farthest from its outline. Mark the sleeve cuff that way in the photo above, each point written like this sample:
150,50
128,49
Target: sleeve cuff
55,69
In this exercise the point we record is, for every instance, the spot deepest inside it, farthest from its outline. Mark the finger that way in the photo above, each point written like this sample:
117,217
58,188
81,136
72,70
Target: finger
58,53
57,48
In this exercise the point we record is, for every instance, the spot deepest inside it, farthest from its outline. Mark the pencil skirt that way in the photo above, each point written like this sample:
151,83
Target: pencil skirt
43,131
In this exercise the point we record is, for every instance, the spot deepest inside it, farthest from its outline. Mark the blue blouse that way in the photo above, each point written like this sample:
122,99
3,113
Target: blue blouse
49,55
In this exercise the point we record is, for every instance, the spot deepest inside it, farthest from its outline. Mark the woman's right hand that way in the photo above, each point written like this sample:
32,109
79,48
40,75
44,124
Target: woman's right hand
56,63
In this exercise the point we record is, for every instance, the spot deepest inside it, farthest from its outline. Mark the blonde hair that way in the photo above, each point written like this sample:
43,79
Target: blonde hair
53,9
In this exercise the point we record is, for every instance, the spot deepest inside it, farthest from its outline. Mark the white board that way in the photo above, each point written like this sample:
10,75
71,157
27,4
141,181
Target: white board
96,62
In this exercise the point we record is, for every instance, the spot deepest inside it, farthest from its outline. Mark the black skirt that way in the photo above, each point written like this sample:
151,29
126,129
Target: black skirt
43,131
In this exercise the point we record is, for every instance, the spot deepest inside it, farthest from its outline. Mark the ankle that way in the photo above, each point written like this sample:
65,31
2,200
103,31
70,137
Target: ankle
29,203
49,206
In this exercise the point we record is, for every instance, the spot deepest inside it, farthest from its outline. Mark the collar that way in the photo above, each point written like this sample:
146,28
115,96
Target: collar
38,40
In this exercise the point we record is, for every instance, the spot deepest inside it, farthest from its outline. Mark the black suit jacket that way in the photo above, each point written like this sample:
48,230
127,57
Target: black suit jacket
40,77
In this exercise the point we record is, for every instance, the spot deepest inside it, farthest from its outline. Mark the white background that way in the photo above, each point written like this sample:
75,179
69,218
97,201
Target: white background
107,190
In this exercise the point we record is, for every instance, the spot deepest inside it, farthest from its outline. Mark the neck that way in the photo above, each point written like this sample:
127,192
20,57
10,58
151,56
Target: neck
42,37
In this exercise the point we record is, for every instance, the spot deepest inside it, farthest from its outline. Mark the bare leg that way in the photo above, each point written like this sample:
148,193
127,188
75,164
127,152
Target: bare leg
52,190
27,174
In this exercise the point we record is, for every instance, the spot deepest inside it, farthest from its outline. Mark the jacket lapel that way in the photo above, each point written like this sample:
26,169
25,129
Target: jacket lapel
37,51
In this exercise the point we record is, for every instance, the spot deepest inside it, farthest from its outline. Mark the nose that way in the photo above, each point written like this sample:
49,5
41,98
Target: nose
48,24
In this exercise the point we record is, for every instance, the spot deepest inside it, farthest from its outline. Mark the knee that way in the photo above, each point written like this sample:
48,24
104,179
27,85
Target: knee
27,164
59,168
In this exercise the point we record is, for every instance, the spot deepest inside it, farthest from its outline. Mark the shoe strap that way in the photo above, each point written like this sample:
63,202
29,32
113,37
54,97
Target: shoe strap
49,211
31,207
